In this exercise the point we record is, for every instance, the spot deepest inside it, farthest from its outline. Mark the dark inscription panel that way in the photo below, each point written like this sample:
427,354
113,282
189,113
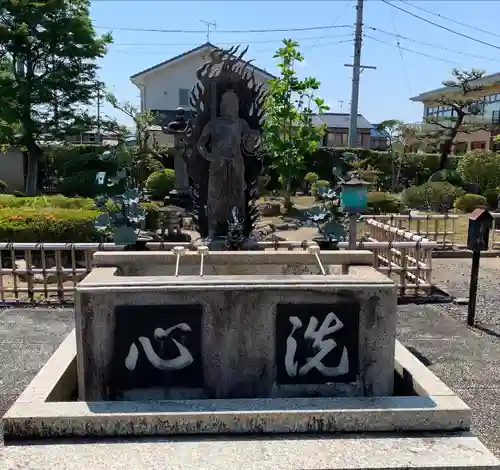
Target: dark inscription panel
317,343
157,346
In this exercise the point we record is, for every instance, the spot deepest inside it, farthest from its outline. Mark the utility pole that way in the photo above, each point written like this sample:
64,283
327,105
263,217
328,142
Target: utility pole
356,72
341,106
209,25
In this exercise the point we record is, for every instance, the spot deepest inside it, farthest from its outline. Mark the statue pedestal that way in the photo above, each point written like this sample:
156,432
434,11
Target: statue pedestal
219,244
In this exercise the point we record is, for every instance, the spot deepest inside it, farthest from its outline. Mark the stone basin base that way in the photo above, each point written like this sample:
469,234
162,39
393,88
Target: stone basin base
48,408
308,433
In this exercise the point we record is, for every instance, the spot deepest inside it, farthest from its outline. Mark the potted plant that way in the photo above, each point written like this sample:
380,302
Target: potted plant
329,219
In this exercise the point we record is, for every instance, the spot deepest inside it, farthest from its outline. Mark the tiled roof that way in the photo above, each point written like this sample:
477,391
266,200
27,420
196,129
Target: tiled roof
332,120
192,51
340,120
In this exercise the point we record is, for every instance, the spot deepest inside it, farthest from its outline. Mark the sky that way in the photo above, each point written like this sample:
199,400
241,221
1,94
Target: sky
424,57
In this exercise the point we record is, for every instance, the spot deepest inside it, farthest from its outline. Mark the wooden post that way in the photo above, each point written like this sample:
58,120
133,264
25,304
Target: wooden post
474,275
353,228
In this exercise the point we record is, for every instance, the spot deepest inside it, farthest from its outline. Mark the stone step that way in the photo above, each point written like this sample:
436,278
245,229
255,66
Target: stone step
335,452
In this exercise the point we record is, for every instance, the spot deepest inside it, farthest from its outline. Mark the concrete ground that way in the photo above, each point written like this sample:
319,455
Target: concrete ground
465,359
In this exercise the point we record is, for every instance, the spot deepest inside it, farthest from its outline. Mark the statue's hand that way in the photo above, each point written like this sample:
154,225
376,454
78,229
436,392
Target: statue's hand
251,140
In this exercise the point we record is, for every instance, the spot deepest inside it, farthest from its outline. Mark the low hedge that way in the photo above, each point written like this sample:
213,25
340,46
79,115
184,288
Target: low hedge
34,221
50,225
56,201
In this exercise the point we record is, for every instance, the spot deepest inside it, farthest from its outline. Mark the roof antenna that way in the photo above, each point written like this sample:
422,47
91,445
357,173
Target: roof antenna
209,25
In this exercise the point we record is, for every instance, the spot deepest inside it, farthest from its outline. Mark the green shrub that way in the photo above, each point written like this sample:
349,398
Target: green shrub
320,184
383,203
57,201
82,184
491,196
160,183
3,186
481,167
470,202
152,215
53,225
437,196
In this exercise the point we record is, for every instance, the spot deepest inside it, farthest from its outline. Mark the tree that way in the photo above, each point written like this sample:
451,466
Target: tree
465,104
53,48
8,129
289,132
146,146
392,128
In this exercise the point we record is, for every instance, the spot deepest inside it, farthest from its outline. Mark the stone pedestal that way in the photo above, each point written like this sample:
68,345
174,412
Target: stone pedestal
232,335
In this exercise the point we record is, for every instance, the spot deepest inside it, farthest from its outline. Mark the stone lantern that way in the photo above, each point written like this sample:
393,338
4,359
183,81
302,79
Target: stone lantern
180,195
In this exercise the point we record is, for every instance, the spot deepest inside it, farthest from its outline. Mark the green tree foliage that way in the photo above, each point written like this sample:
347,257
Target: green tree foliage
393,129
289,132
53,47
466,106
481,167
147,152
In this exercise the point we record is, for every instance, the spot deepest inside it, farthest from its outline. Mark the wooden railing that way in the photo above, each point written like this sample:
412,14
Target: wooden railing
440,228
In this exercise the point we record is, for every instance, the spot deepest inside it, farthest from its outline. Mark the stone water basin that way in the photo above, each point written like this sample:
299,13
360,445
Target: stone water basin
248,328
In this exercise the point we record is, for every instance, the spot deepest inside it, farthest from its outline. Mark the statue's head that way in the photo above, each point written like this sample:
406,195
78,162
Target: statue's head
230,104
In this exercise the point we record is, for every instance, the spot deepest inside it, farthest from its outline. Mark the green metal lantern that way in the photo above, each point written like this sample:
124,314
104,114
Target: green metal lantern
354,196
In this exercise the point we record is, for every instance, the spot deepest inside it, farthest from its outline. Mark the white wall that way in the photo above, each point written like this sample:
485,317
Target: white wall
161,87
11,170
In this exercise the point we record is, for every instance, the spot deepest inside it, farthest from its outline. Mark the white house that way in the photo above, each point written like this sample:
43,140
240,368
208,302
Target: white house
166,86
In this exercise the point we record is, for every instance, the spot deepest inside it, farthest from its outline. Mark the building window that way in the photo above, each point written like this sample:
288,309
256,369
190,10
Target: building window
478,145
460,148
337,139
183,97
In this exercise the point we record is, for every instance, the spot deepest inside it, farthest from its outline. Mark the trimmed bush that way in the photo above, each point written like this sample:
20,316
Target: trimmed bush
55,219
383,203
320,184
160,183
152,215
491,196
437,196
50,225
481,167
58,201
470,202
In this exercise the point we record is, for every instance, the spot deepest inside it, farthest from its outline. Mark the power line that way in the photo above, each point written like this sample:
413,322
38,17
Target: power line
401,53
264,41
331,43
338,18
234,31
452,20
411,50
155,53
423,43
441,26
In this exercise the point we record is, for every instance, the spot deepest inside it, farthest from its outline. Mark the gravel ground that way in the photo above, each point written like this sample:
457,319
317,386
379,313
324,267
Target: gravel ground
453,275
28,337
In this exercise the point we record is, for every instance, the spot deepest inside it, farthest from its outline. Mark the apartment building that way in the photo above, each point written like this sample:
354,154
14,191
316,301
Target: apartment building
489,112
